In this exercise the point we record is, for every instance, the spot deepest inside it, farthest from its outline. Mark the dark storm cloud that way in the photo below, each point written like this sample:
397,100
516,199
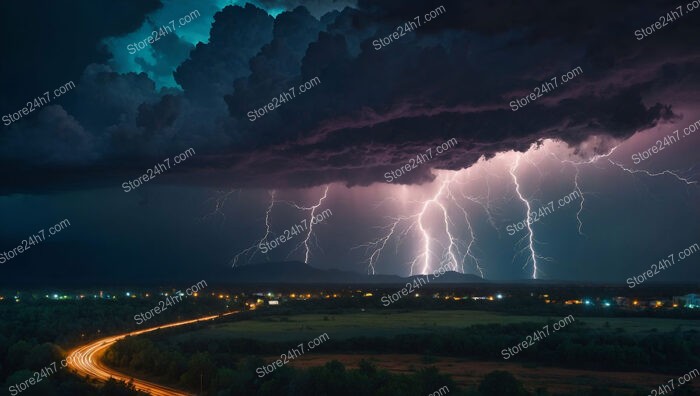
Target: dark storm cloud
68,144
47,43
236,36
160,115
374,109
317,8
166,52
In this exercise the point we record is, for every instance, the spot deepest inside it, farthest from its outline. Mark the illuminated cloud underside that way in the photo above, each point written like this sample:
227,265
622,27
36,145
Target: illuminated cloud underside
439,229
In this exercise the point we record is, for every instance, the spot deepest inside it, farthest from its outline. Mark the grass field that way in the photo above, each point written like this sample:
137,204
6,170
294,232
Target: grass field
465,372
389,323
469,373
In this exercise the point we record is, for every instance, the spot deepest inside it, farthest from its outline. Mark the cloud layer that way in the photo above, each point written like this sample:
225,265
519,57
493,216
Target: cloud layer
453,77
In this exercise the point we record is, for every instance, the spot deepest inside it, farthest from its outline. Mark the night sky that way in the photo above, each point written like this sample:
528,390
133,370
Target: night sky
373,110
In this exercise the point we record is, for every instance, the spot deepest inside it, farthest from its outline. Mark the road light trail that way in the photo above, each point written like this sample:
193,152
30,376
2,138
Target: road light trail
85,360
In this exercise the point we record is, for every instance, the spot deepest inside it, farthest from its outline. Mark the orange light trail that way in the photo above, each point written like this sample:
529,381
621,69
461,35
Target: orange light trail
85,360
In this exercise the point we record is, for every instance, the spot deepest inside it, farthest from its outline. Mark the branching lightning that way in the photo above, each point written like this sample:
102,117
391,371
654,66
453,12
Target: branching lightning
220,199
654,174
596,158
251,250
453,251
470,229
532,256
312,213
441,226
580,205
249,253
377,246
577,180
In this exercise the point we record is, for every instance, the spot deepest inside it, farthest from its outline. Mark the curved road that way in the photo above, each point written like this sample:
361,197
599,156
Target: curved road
85,360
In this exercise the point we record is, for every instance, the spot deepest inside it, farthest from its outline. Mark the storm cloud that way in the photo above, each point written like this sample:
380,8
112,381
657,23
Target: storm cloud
452,77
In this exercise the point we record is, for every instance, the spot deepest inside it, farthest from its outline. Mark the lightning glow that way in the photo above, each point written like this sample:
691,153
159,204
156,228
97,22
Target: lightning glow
442,227
452,253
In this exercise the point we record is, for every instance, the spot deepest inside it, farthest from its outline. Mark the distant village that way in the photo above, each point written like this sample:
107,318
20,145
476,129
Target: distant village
253,300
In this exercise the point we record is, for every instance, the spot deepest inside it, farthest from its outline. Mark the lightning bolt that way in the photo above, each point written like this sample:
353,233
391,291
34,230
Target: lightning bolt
451,252
654,174
251,250
580,205
488,208
532,256
220,199
377,246
312,210
598,157
470,229
487,205
577,180
442,222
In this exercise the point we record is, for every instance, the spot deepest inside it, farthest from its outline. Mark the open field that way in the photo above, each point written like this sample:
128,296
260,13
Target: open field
469,373
390,323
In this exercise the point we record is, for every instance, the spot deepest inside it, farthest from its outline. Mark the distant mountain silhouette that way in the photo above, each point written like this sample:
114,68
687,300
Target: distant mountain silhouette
294,272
